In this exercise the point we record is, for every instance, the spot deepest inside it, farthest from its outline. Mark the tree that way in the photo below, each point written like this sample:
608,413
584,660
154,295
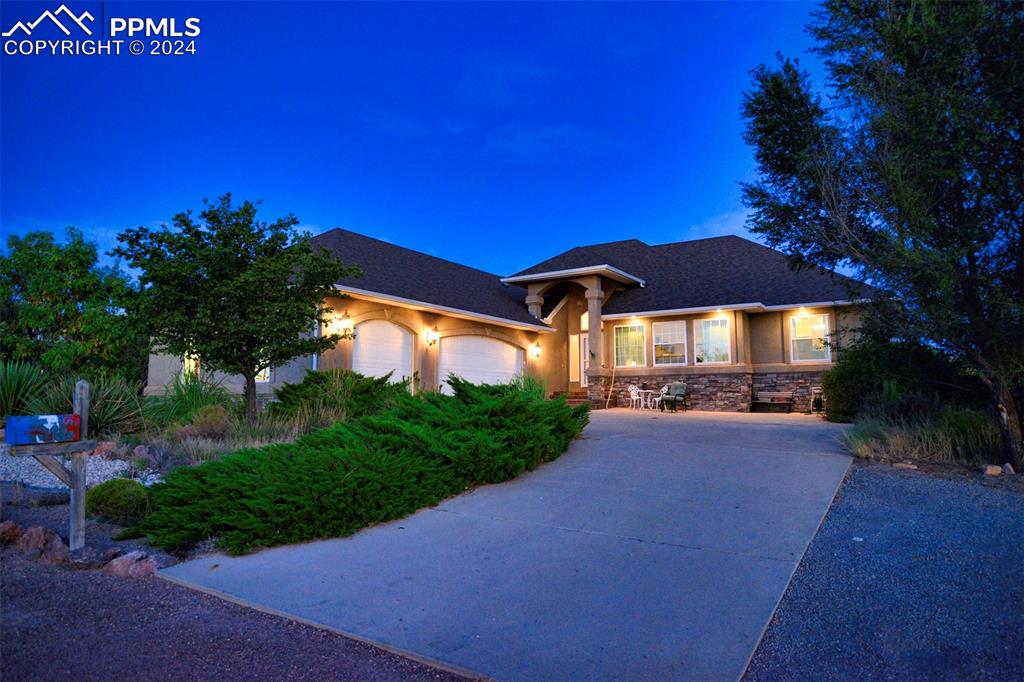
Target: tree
61,310
909,172
240,294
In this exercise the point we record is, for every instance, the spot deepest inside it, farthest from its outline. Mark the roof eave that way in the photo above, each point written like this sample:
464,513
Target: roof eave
605,270
748,307
442,309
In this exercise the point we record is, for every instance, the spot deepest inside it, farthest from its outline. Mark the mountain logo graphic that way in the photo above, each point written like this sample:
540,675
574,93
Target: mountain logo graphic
28,27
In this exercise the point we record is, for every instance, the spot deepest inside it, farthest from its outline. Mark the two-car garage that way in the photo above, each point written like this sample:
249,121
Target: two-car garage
381,346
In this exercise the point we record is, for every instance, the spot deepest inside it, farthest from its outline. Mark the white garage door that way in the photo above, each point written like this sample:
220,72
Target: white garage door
381,347
478,359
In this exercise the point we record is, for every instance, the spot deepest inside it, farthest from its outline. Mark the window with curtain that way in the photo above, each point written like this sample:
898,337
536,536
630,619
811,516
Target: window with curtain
809,338
669,343
629,346
711,341
263,376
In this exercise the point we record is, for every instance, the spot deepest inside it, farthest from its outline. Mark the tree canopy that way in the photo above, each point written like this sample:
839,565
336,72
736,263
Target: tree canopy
241,294
63,311
909,170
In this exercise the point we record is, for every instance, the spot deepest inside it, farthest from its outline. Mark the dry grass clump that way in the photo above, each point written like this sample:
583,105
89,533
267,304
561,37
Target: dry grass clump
957,435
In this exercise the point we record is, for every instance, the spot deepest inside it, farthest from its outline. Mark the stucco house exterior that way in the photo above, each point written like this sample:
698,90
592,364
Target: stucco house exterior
726,315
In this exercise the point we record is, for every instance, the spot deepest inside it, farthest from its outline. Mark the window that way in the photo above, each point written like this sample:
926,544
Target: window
263,376
670,343
190,366
630,346
711,341
809,338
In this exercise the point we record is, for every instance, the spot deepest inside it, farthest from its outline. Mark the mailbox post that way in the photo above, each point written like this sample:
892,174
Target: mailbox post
45,437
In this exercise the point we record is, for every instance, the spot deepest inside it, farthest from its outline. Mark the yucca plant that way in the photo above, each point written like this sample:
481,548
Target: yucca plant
115,404
185,397
21,383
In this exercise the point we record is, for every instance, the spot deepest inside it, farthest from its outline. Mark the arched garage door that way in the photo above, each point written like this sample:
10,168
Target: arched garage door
381,347
479,359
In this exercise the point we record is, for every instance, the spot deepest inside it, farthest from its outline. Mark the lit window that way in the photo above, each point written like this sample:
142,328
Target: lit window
809,338
670,343
190,366
630,346
711,341
263,376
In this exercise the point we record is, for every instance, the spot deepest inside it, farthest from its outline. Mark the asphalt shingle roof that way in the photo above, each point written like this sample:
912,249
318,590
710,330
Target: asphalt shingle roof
398,271
719,271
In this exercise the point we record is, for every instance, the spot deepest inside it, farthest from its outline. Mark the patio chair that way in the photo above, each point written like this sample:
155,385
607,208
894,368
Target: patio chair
675,396
656,400
635,400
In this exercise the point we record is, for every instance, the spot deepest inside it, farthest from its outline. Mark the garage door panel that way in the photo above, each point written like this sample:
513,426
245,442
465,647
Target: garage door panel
478,359
381,347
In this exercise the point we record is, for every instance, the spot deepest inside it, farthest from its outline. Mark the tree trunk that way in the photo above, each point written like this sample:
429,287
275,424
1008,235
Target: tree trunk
1009,425
250,397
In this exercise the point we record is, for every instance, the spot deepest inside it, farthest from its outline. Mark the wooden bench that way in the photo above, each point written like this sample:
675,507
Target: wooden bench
774,398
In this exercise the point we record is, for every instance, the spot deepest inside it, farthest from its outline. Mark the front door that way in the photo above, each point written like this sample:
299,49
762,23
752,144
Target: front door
584,359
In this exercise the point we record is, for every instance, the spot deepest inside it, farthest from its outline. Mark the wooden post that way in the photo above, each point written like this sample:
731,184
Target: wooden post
76,533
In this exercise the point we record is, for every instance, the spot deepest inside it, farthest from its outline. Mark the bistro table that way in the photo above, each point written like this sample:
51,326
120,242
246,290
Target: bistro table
647,398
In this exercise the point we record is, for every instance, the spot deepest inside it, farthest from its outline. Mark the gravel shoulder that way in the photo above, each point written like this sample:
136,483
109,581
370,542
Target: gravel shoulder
913,575
101,627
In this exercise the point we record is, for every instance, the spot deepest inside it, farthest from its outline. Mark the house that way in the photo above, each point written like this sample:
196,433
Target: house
726,315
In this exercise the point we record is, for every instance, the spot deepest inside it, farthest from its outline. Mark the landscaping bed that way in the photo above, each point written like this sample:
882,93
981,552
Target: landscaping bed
914,574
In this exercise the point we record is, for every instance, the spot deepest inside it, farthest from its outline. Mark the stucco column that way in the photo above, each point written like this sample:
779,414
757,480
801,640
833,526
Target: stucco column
595,297
534,303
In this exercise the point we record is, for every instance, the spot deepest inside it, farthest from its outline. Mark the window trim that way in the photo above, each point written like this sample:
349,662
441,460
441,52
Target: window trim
793,339
654,344
728,340
615,345
270,376
198,365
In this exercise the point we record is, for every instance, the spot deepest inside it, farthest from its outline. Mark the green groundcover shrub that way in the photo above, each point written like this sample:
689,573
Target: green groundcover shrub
341,393
121,500
372,468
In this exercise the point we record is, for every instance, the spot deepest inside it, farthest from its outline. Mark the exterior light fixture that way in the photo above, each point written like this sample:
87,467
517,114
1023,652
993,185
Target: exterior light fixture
535,351
345,326
431,336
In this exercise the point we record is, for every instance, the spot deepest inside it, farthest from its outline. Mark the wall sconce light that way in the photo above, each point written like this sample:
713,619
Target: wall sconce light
345,326
431,336
535,351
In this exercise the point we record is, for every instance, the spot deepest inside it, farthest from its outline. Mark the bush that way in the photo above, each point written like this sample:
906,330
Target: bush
21,383
373,468
901,380
958,435
185,397
336,395
115,405
120,500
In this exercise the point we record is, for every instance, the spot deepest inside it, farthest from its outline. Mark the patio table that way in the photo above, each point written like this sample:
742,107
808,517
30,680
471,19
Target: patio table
647,398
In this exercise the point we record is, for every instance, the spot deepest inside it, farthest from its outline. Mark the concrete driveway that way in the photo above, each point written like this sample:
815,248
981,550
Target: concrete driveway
657,547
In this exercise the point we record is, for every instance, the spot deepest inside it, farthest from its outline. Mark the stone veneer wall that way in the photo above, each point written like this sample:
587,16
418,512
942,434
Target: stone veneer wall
714,392
800,383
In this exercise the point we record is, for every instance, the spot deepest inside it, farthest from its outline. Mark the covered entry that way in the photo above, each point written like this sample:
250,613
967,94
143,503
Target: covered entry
381,347
479,359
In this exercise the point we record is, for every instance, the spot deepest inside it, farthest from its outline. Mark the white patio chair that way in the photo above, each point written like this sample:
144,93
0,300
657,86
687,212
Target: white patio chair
635,400
656,400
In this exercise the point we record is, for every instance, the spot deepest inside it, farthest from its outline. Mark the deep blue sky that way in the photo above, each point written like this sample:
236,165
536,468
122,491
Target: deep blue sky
495,135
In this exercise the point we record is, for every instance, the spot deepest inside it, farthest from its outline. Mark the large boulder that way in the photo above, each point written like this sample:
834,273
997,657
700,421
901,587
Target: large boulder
55,551
32,541
131,565
9,532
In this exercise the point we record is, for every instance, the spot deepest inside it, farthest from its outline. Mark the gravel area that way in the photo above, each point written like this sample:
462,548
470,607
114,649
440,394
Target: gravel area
30,472
99,627
913,575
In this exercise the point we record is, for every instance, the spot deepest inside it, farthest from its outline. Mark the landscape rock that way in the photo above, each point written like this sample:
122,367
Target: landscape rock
993,470
104,447
9,532
88,558
905,465
1008,469
142,568
55,551
32,541
121,566
110,553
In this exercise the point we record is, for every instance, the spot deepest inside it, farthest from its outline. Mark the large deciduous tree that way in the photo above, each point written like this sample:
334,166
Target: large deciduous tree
909,171
238,293
60,309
